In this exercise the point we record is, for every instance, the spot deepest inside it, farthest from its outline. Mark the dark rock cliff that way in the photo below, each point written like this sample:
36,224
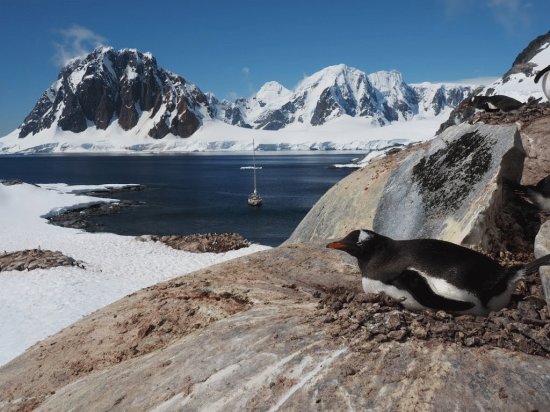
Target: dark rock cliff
122,86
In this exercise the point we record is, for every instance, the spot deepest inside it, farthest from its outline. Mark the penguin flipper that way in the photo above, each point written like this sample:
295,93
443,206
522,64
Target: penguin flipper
419,288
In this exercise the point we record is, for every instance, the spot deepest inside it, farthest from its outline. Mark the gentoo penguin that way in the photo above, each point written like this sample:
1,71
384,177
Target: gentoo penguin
433,274
538,195
495,103
544,74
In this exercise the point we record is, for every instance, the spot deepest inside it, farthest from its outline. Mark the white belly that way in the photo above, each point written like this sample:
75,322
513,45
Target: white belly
546,84
439,286
375,286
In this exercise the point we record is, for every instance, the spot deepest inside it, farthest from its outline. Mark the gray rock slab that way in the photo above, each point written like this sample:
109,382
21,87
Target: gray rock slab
446,189
450,190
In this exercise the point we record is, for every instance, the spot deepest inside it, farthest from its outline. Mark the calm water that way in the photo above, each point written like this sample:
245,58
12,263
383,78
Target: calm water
195,193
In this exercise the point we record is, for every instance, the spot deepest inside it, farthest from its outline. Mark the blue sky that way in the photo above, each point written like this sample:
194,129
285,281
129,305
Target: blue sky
232,47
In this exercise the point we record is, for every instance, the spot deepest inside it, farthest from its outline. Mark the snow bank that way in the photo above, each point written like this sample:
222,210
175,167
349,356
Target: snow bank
39,303
343,133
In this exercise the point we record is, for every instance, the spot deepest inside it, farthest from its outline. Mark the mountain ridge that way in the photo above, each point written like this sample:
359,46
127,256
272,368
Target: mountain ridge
109,86
383,97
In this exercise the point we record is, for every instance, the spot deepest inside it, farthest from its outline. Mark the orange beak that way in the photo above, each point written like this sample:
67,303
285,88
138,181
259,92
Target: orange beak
338,245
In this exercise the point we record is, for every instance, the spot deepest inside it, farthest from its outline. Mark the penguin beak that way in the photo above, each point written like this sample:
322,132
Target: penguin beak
338,245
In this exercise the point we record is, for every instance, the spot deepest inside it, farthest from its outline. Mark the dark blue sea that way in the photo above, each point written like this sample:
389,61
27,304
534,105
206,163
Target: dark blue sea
195,193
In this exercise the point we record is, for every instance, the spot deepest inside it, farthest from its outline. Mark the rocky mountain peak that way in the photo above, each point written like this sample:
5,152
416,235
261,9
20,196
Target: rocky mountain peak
523,62
109,86
337,75
386,80
272,89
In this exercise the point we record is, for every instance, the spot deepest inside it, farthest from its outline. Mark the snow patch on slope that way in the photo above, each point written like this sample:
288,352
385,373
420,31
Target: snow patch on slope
38,303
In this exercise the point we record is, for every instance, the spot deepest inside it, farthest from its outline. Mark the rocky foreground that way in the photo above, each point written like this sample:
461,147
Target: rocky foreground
252,334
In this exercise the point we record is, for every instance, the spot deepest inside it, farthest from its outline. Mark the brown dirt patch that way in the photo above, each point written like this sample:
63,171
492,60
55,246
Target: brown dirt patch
132,328
148,327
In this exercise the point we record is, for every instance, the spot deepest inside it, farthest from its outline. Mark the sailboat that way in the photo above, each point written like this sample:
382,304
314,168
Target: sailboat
254,199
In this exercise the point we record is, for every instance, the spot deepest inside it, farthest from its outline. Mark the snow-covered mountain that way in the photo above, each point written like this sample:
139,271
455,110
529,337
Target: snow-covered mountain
109,86
382,98
124,101
518,82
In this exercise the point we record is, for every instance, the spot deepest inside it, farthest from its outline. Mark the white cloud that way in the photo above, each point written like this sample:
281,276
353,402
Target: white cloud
476,81
232,96
249,85
512,14
76,41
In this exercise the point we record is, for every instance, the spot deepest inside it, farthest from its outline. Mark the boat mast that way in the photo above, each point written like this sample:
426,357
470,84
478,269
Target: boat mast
254,164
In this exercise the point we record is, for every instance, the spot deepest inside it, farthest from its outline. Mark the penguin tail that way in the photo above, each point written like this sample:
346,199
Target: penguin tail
533,267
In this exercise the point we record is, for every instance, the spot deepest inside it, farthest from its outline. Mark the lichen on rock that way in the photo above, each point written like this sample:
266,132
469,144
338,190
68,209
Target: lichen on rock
446,177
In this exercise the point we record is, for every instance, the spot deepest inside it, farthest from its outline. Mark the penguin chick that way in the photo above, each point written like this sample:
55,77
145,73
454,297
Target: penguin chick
433,274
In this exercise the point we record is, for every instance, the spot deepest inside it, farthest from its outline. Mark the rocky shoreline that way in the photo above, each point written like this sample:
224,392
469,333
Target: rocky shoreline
82,218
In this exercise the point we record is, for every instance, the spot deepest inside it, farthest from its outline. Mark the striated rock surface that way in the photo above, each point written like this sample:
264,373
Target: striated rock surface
251,334
446,189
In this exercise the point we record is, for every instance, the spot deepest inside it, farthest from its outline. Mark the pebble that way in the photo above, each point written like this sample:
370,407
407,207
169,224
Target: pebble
523,326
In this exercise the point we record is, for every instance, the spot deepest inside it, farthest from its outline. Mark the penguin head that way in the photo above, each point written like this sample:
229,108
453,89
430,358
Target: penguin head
359,243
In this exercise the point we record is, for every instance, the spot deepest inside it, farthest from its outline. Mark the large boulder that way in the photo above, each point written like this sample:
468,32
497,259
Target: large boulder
534,136
249,334
448,189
